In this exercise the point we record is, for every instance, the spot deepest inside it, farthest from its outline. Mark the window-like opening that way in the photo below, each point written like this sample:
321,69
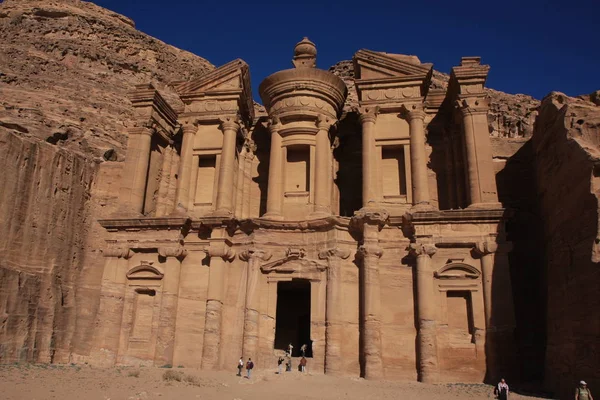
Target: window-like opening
297,169
460,311
292,324
393,172
206,179
143,310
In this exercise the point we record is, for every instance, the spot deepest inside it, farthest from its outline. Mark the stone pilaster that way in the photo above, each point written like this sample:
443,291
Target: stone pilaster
251,314
220,254
227,167
334,310
371,252
275,189
183,194
415,115
427,335
162,204
165,343
132,192
368,117
323,168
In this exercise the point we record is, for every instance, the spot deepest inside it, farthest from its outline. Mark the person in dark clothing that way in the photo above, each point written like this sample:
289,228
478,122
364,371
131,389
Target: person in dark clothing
279,363
249,366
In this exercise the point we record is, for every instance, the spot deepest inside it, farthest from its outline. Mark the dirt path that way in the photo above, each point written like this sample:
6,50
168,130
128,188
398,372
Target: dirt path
37,382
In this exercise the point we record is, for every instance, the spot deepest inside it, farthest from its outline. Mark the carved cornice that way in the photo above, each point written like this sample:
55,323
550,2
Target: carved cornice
367,113
422,249
119,252
370,250
334,252
486,247
228,123
176,251
255,254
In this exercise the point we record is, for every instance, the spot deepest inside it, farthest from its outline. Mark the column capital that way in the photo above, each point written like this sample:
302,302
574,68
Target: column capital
228,124
175,251
371,216
189,128
367,113
473,105
334,252
255,254
486,247
220,249
324,122
140,130
119,252
370,250
274,124
412,111
422,249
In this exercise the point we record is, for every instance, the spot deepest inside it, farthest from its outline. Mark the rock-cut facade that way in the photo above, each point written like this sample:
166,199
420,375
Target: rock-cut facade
371,234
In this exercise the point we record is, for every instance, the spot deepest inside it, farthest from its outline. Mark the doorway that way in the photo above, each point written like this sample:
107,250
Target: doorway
292,324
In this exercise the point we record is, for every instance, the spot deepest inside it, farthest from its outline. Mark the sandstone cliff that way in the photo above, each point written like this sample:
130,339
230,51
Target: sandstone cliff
65,69
566,145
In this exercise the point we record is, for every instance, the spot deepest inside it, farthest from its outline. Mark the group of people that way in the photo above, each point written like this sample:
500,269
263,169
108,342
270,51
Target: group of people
582,392
288,363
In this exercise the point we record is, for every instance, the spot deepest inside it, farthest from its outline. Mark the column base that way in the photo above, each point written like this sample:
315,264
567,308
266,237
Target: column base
484,206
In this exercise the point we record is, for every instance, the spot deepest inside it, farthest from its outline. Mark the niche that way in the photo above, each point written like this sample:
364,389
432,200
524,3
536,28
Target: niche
297,168
143,311
460,311
393,173
205,182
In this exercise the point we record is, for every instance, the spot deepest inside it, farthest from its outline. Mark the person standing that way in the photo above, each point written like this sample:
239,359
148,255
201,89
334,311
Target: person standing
303,349
279,363
583,392
249,367
501,390
303,364
240,366
290,348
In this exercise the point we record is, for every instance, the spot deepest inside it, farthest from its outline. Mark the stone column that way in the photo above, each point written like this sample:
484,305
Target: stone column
275,189
165,343
480,171
427,336
110,311
334,310
415,115
227,167
135,170
185,166
251,314
368,116
486,250
220,253
323,169
162,204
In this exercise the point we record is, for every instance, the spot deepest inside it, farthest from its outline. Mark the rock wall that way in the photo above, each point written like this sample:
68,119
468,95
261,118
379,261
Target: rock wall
566,144
65,69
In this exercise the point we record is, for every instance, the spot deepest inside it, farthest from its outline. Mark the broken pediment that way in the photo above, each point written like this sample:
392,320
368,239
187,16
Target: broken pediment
371,65
457,271
294,261
145,271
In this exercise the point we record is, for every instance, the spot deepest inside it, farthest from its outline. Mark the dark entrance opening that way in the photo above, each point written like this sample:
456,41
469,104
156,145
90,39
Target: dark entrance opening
292,324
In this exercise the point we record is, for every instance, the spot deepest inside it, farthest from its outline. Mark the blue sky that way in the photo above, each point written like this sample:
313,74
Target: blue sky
533,46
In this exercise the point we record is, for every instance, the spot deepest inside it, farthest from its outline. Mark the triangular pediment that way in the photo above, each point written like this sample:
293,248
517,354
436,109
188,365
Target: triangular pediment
373,65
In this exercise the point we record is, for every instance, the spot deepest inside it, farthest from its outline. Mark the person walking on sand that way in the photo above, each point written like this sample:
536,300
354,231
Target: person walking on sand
249,366
303,364
303,349
501,390
279,363
290,348
240,366
583,392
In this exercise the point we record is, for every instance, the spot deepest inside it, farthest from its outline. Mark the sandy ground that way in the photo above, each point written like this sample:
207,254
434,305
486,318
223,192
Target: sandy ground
36,382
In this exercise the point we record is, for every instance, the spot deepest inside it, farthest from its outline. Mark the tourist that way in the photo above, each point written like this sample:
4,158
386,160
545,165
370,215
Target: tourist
290,348
240,366
501,390
303,364
303,349
288,365
249,366
582,392
279,363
